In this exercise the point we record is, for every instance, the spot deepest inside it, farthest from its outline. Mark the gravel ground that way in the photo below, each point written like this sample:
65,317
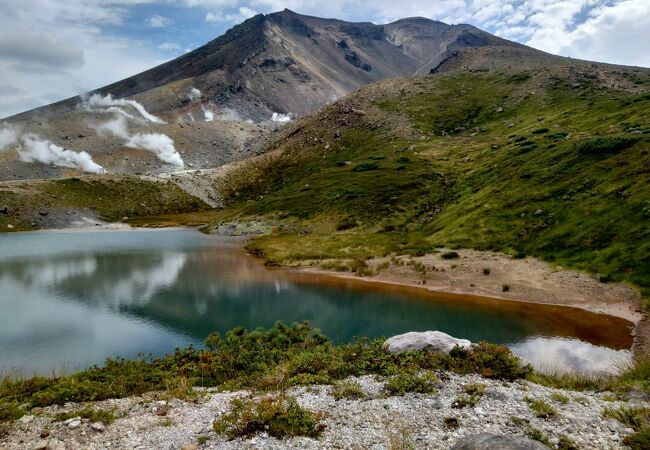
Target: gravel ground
376,422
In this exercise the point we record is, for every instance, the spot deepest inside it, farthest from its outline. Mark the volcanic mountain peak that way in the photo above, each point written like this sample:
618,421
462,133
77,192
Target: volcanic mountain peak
290,63
270,68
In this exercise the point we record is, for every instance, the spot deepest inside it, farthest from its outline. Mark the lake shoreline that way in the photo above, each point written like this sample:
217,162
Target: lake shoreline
529,281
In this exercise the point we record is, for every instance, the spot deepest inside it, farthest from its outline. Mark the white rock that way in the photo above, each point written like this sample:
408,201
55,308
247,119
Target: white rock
433,341
26,420
97,426
41,445
74,424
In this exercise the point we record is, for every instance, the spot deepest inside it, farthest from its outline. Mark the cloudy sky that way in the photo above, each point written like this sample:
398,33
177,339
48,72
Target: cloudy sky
53,49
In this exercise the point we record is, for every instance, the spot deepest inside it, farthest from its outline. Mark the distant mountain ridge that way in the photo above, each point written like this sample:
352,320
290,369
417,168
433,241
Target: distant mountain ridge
290,63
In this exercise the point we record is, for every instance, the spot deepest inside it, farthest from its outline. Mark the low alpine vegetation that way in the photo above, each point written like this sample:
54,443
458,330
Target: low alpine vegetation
106,416
278,415
350,390
540,408
265,360
405,382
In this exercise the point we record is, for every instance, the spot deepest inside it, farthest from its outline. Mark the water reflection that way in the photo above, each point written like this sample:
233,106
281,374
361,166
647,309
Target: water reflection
79,297
571,355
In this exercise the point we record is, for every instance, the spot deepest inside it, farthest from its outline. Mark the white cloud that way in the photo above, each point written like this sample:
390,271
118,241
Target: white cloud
242,14
169,46
158,21
62,47
50,50
36,49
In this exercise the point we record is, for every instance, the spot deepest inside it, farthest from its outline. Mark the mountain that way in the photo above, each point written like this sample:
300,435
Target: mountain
221,102
289,63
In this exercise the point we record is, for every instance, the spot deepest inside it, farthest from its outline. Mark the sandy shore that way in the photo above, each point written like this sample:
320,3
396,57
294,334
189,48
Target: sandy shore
528,280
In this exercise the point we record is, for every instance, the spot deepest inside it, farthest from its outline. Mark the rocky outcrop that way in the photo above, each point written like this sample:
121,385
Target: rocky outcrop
433,341
486,441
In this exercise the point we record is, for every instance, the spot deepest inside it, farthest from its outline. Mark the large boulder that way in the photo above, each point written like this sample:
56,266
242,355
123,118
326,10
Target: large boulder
432,341
487,441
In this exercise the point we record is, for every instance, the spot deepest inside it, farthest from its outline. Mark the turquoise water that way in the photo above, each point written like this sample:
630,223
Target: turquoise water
70,299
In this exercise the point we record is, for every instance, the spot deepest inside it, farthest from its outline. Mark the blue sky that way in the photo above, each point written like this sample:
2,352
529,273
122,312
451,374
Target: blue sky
53,49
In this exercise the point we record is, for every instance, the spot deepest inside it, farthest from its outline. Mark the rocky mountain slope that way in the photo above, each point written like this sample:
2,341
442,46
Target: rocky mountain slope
218,103
289,63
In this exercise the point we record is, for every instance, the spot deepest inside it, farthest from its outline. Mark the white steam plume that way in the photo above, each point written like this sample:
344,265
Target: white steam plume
282,118
36,149
8,136
97,100
194,94
117,127
208,114
117,110
159,144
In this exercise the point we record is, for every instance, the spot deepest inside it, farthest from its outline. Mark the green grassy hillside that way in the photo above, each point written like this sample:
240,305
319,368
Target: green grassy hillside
554,165
29,205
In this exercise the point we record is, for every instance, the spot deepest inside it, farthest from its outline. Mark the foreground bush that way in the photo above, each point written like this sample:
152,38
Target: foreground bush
280,416
271,360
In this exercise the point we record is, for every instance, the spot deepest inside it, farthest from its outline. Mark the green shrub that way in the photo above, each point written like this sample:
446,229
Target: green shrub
538,436
94,415
477,389
347,389
606,144
560,398
566,443
364,167
487,360
540,408
450,255
636,418
405,382
272,359
464,400
346,223
639,440
280,416
9,410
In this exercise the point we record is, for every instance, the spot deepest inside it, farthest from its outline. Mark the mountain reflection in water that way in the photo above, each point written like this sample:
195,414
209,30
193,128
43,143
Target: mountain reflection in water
70,299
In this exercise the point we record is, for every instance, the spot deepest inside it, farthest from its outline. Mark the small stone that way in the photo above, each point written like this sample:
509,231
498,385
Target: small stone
637,395
499,109
480,411
76,423
45,433
162,410
189,447
41,445
539,211
97,426
26,420
486,441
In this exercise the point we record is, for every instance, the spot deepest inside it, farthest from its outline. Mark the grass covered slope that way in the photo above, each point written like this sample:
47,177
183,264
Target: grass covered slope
29,205
553,164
